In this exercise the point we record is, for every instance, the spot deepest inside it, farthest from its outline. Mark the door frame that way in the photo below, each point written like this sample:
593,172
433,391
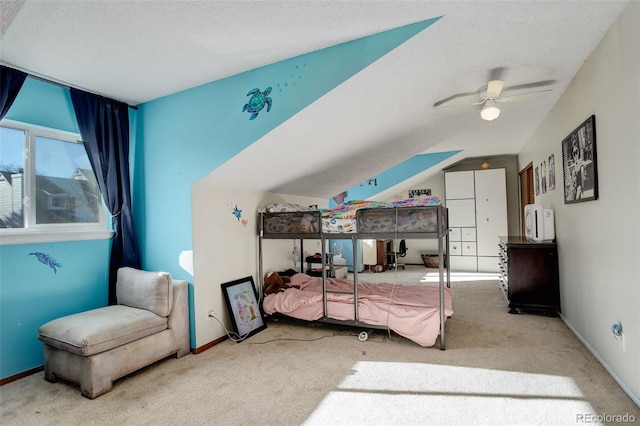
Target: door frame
527,195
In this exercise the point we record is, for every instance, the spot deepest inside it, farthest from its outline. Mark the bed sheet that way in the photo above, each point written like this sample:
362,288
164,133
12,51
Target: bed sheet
411,311
332,225
348,210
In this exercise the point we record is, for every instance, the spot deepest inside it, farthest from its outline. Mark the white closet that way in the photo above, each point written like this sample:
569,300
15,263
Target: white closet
477,203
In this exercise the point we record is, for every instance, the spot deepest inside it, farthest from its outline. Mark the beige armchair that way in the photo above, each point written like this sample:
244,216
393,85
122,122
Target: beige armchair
96,347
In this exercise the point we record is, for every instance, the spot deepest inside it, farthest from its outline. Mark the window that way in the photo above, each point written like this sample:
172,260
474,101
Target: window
47,184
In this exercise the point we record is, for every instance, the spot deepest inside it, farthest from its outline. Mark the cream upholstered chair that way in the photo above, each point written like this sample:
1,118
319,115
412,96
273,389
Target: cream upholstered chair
96,347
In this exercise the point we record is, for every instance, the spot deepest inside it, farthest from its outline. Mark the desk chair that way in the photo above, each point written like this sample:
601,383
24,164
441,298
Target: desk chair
402,252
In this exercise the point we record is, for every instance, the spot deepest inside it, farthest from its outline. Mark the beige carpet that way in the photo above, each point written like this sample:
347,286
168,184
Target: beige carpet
497,368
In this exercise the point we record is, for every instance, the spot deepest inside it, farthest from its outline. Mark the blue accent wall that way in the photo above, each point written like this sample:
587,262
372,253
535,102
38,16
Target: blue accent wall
399,173
184,136
187,135
178,140
44,104
30,292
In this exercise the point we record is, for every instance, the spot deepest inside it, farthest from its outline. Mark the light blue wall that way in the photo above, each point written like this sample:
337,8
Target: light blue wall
44,104
183,137
180,138
399,173
30,292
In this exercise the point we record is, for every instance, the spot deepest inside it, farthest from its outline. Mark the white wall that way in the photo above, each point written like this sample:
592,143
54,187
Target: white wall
598,241
225,249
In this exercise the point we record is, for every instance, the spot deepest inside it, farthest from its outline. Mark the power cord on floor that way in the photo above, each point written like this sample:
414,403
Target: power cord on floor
337,334
232,335
284,339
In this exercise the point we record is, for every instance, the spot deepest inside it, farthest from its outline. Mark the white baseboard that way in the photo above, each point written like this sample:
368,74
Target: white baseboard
618,380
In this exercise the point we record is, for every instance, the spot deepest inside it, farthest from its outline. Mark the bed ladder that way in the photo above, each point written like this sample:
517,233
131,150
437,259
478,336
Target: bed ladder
354,244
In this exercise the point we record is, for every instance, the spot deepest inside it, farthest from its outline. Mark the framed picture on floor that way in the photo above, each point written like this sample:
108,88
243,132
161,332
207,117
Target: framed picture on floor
242,304
579,163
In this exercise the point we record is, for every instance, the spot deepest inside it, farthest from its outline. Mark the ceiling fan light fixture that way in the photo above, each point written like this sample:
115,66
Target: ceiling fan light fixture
490,111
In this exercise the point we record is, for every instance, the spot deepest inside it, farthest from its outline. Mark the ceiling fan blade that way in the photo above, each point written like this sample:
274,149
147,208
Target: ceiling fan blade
530,85
526,96
456,96
496,73
494,88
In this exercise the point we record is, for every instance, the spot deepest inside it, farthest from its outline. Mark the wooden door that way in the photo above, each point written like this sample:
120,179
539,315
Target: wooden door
526,192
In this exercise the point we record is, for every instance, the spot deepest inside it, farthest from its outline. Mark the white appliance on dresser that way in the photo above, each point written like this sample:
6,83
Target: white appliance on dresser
477,204
539,223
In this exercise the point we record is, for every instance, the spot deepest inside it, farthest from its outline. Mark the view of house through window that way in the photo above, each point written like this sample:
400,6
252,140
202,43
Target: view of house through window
46,180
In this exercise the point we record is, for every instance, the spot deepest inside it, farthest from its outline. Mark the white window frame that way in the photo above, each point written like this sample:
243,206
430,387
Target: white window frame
31,232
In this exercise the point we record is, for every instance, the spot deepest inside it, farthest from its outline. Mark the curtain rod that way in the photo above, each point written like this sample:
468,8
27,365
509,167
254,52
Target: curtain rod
63,85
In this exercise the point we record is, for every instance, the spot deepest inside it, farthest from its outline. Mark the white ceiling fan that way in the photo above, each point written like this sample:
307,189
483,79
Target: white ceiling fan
491,95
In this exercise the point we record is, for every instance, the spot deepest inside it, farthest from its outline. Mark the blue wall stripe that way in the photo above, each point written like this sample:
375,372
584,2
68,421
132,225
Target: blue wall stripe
397,174
188,134
45,105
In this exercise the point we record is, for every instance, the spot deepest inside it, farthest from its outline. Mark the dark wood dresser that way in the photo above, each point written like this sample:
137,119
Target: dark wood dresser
529,272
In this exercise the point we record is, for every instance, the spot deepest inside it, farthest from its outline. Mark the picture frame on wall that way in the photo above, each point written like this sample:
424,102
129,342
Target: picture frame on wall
543,177
552,172
419,192
579,163
241,299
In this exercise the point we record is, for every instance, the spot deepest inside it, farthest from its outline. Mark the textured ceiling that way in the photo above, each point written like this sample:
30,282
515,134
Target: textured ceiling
137,51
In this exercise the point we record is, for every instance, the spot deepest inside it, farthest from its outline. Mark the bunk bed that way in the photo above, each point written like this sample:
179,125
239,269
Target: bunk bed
415,312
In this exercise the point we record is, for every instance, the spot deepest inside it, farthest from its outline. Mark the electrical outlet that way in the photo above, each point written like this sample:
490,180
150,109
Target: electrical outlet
210,313
616,329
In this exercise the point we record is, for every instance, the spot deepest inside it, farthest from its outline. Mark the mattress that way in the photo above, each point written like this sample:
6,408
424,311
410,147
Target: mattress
410,311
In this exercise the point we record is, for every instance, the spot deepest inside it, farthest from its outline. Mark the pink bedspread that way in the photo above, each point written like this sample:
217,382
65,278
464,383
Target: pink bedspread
410,311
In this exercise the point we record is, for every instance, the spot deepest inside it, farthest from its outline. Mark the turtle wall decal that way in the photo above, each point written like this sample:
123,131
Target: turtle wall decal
257,102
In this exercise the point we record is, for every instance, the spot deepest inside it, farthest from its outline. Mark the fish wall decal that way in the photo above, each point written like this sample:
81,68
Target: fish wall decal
47,260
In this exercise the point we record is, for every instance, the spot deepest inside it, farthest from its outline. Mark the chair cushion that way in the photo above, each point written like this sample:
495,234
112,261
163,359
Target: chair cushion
145,290
101,329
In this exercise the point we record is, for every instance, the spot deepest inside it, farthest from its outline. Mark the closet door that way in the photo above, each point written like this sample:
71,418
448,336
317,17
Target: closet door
491,216
460,201
459,185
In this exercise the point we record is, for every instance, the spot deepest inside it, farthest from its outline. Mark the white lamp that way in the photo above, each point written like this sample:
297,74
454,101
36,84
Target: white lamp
490,111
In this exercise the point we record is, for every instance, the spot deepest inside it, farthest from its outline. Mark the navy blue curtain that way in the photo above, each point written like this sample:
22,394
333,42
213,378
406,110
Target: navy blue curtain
10,83
104,127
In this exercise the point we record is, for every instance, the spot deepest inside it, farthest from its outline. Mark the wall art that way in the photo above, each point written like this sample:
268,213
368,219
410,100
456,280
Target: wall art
47,260
419,192
242,303
552,172
579,164
257,102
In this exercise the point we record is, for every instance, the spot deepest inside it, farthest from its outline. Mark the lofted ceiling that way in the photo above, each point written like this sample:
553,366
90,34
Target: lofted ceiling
137,51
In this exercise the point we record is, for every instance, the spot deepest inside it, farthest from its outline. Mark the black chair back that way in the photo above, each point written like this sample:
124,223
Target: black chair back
402,248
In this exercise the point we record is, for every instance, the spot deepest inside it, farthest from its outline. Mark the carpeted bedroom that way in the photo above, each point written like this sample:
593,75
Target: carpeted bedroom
498,368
